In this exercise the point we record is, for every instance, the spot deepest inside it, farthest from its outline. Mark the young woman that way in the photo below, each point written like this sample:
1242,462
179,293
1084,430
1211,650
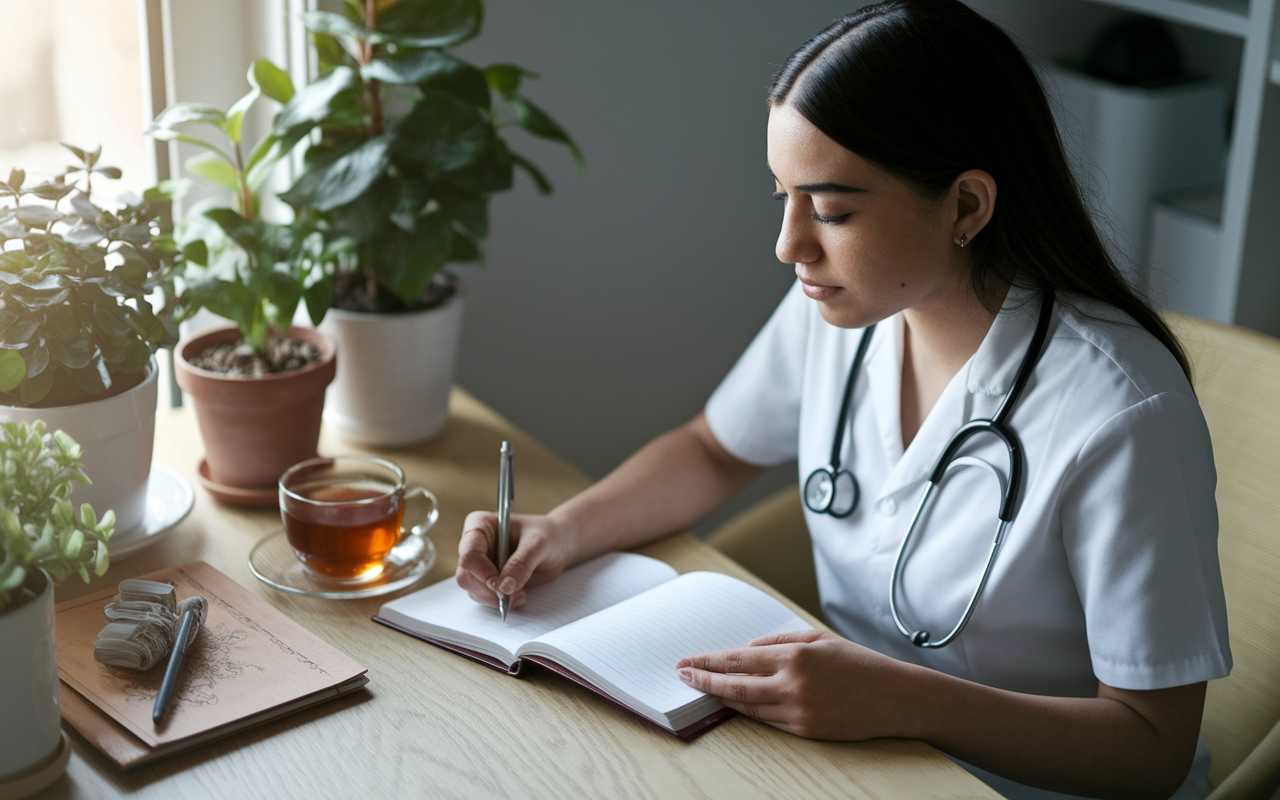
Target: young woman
947,272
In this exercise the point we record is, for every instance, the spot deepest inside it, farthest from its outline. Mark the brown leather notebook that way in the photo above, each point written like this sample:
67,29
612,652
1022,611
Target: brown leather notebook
617,624
249,665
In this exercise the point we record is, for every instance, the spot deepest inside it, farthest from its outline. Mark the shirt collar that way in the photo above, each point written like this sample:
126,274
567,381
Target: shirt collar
993,367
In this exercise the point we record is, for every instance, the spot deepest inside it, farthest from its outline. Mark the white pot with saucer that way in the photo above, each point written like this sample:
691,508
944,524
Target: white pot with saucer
33,748
395,373
117,434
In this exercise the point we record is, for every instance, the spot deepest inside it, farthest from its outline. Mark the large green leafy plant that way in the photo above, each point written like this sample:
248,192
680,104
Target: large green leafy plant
409,150
74,281
38,527
252,270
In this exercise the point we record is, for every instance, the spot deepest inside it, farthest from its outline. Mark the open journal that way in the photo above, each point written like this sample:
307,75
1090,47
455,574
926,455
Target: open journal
616,624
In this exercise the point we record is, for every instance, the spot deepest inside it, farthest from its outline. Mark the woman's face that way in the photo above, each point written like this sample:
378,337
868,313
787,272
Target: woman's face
865,243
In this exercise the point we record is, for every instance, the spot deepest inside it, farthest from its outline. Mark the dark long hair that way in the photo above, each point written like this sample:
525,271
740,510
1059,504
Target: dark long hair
927,89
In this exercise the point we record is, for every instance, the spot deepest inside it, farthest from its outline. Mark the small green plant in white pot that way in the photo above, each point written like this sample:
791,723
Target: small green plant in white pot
78,329
42,540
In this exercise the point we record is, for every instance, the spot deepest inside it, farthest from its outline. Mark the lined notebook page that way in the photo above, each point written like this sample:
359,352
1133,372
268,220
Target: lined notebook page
635,645
578,592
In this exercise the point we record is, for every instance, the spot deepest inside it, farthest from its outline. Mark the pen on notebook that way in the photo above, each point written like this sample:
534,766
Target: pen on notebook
506,493
193,611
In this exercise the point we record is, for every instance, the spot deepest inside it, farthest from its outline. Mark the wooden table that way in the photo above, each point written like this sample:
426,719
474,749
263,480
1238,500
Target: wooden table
431,724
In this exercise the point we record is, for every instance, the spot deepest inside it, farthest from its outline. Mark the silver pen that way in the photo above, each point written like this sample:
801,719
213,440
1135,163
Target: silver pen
506,493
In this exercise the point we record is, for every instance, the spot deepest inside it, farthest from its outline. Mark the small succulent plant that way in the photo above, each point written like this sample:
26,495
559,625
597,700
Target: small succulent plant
74,281
38,527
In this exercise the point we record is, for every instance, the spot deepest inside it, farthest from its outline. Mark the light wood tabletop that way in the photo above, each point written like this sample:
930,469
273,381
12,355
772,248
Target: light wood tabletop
432,724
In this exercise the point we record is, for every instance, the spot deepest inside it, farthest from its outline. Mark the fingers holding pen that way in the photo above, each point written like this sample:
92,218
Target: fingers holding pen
537,556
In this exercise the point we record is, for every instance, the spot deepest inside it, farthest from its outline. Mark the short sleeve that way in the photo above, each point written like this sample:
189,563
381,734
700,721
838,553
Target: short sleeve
755,411
1140,527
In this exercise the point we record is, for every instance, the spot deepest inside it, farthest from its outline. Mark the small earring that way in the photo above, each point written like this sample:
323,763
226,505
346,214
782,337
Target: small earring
963,240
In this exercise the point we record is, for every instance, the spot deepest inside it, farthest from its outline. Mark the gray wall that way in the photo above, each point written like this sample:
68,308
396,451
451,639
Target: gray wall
608,311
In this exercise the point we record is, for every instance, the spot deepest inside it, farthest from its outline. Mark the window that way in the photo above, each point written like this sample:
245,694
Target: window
71,71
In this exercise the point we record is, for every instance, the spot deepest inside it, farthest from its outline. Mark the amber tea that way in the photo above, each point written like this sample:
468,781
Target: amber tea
343,515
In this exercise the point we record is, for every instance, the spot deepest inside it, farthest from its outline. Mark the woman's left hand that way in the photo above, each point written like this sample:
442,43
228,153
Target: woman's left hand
811,683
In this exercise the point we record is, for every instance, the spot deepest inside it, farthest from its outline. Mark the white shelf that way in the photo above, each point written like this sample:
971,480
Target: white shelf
1220,16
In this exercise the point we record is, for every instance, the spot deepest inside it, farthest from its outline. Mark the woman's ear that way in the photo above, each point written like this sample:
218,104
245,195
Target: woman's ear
974,197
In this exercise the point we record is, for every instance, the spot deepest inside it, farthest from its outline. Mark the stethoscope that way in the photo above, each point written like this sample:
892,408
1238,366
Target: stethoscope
833,490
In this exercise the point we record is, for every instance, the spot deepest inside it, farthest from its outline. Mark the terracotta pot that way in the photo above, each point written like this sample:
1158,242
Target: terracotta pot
393,384
256,428
116,434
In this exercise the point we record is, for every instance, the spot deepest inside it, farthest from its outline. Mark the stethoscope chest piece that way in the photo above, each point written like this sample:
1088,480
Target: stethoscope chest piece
833,492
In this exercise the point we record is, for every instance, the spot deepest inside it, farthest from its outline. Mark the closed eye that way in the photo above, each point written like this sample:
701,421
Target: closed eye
779,195
816,217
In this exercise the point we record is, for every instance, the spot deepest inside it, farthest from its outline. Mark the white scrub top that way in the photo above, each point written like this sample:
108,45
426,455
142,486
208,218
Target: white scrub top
1109,571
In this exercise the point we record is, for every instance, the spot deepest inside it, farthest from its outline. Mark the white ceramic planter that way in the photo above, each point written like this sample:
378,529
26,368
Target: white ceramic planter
394,373
32,730
116,434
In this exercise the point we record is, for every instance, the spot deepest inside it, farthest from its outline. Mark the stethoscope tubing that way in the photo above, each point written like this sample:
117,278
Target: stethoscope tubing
997,426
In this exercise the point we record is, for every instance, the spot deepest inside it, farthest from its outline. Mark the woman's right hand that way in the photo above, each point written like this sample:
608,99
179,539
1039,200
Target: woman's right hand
541,550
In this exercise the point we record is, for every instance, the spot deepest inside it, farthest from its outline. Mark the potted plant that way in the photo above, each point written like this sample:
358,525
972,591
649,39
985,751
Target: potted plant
41,541
257,386
77,331
399,179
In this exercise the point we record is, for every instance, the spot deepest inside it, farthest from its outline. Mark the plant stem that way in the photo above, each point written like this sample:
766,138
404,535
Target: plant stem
375,98
371,286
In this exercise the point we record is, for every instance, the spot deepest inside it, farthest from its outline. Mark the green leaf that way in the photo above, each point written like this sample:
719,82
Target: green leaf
539,179
469,212
443,132
69,447
174,136
87,517
337,181
111,172
337,25
433,69
12,370
235,115
52,191
107,524
464,250
422,253
73,543
77,152
505,78
16,177
539,123
271,80
38,216
283,292
489,174
313,104
36,388
441,23
330,53
13,580
101,561
196,252
319,298
215,169
185,114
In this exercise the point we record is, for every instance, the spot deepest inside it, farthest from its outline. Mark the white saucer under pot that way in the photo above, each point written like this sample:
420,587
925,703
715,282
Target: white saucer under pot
116,434
394,373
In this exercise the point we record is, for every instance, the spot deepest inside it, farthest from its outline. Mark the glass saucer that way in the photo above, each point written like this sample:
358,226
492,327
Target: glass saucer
274,563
